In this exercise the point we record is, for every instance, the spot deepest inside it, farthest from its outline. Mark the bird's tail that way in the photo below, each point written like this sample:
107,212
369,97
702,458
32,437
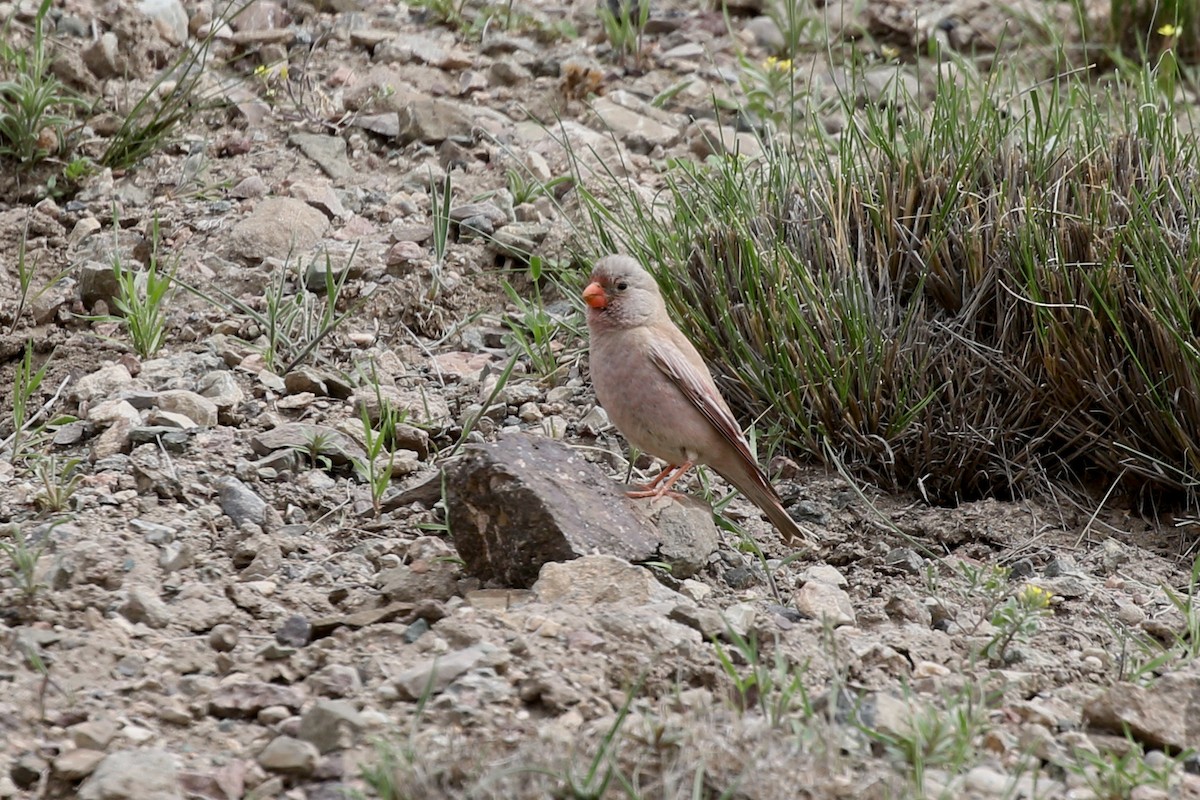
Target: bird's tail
758,490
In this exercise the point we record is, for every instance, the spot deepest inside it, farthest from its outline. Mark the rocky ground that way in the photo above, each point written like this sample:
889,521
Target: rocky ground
221,607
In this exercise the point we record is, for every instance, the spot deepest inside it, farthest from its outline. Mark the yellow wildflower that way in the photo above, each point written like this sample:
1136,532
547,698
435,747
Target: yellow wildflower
1034,597
1169,30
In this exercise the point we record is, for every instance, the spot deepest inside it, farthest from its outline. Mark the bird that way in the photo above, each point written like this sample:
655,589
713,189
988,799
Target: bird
659,393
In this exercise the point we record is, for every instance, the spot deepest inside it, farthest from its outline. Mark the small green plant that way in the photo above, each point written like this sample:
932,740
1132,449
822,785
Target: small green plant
31,125
1152,656
443,12
379,442
434,525
602,769
175,97
775,687
535,332
141,300
388,775
292,320
769,88
440,206
25,272
22,566
59,480
26,382
624,22
525,188
501,382
1187,603
1113,776
935,737
794,19
317,449
1017,619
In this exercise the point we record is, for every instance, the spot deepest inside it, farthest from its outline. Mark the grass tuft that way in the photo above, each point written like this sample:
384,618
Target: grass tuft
958,299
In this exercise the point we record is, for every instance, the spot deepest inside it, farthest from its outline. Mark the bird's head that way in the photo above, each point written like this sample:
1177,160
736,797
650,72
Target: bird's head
621,294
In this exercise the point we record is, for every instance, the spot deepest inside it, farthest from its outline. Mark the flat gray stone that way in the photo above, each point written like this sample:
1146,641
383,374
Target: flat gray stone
280,227
329,152
134,775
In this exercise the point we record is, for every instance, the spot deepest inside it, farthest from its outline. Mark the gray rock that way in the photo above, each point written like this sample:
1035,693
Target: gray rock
95,734
200,607
279,227
705,620
477,227
437,580
596,579
523,502
328,442
169,17
431,120
27,769
199,409
240,696
331,725
766,34
108,412
134,775
101,384
825,574
143,605
434,675
241,504
490,211
296,631
324,198
253,186
223,638
175,556
336,680
705,138
289,756
97,283
520,239
507,72
685,530
329,152
822,601
153,531
116,439
222,389
740,577
103,56
1161,716
636,126
905,559
75,765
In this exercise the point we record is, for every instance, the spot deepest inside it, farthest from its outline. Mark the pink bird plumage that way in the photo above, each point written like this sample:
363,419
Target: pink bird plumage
659,393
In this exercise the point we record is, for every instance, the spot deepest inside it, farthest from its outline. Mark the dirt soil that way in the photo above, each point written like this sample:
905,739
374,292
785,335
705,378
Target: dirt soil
219,610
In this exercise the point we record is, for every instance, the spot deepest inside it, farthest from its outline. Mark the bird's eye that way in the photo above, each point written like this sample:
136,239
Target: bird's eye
622,286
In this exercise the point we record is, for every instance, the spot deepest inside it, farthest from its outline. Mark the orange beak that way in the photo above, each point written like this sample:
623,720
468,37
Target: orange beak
595,296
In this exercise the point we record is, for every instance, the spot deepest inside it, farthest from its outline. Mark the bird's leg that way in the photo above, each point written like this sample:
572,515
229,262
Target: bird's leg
665,489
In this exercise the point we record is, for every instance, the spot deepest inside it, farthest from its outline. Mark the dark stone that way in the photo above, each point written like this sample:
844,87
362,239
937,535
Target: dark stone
522,502
295,631
740,578
904,559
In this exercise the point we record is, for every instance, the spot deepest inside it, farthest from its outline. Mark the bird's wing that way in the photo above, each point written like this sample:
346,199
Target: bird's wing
703,395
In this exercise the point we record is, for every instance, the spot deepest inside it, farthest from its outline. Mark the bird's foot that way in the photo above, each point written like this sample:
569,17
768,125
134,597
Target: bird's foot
650,492
672,473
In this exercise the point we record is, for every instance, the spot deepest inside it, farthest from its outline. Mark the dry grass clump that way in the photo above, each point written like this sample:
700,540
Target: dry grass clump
958,299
